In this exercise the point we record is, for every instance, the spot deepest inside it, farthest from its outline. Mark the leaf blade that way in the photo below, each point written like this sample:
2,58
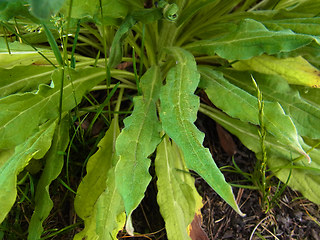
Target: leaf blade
136,142
53,167
280,158
177,197
98,201
35,147
250,39
43,105
242,105
295,70
179,108
23,79
304,113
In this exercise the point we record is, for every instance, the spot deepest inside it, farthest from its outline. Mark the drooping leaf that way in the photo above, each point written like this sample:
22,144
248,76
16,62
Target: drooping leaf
250,39
24,59
43,105
136,142
23,79
22,55
179,108
108,216
94,183
305,177
116,47
226,141
98,201
240,104
295,70
35,147
43,9
177,197
196,231
53,167
304,113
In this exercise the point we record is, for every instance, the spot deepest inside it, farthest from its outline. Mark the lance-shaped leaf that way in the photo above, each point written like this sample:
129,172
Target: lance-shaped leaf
305,114
240,104
177,197
35,147
22,55
299,25
250,39
23,79
179,108
98,201
136,142
44,104
53,166
305,177
295,70
116,47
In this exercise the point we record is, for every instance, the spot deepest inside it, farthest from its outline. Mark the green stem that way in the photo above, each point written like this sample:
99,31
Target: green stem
142,48
117,107
135,71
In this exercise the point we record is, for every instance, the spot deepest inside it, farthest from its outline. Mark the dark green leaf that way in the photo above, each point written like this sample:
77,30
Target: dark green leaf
179,108
304,114
136,142
251,39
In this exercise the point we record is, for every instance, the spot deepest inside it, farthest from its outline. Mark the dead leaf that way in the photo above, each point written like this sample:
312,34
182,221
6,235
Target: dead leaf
226,141
196,232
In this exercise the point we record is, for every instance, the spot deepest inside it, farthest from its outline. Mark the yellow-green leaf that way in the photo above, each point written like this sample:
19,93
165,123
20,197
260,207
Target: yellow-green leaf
12,164
177,197
98,201
295,70
43,105
23,79
54,163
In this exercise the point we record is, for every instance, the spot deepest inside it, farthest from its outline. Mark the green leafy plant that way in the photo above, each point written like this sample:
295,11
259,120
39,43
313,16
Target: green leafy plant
53,53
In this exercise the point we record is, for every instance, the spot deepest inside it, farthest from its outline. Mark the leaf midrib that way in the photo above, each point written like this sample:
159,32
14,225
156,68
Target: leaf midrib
26,79
70,84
